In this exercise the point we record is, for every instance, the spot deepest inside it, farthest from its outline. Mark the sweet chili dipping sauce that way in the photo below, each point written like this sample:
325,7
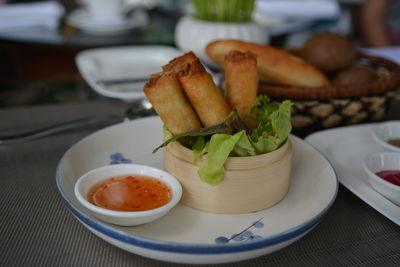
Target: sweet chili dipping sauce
392,176
130,193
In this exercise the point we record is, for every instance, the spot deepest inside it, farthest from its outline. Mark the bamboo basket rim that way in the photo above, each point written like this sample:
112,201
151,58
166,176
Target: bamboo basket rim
379,86
234,163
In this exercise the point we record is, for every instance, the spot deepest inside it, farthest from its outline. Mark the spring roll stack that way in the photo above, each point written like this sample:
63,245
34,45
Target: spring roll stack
186,98
165,94
197,83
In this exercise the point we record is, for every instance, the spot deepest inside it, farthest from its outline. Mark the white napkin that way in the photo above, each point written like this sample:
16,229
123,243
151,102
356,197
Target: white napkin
299,9
31,15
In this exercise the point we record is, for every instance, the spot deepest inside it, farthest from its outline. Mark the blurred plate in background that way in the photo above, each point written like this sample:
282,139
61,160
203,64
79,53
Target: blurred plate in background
121,72
346,148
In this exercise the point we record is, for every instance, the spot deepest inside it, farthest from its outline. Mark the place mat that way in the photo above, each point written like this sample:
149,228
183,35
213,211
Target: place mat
38,230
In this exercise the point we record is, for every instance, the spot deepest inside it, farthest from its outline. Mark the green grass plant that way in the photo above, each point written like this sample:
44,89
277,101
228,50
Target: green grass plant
223,10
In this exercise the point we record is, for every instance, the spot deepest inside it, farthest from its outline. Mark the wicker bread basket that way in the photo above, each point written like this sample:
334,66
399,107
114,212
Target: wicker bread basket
325,107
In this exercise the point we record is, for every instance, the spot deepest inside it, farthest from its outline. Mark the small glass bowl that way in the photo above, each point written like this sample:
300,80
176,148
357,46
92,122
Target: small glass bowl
126,218
380,162
386,131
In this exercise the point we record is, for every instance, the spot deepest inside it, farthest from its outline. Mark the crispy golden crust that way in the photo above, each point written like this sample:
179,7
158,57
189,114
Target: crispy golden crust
236,57
272,63
241,82
152,81
180,62
165,94
205,96
194,68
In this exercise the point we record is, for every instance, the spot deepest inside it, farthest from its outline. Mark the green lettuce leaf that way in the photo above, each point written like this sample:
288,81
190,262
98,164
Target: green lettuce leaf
218,150
199,148
280,120
273,129
244,147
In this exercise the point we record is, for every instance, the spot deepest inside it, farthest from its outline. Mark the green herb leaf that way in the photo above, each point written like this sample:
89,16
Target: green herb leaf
219,128
274,127
223,127
199,148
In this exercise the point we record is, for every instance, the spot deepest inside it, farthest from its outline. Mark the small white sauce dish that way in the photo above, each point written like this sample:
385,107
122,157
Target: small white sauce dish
126,218
386,131
380,162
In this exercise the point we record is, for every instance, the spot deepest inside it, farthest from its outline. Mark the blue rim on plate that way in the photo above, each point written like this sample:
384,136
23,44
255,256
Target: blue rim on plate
189,248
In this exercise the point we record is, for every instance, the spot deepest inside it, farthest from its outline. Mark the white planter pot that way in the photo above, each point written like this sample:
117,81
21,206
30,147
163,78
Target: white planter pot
194,35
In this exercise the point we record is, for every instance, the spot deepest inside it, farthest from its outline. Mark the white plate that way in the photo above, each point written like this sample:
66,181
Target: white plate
346,148
135,62
187,235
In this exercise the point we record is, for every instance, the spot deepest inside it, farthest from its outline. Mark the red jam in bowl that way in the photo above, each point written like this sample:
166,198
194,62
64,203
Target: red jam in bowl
392,176
130,193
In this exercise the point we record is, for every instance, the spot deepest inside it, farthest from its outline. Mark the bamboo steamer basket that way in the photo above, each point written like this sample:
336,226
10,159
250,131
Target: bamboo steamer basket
250,183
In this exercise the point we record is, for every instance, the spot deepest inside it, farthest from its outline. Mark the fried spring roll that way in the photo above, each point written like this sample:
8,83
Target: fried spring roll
206,98
165,94
241,83
178,63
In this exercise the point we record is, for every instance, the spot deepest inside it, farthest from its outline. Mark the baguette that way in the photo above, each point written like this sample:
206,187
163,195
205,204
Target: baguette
273,64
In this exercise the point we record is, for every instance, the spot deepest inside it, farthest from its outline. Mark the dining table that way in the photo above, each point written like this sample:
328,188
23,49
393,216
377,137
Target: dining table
37,229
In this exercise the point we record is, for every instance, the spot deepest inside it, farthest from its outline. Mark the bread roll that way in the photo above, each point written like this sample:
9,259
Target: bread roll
272,63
